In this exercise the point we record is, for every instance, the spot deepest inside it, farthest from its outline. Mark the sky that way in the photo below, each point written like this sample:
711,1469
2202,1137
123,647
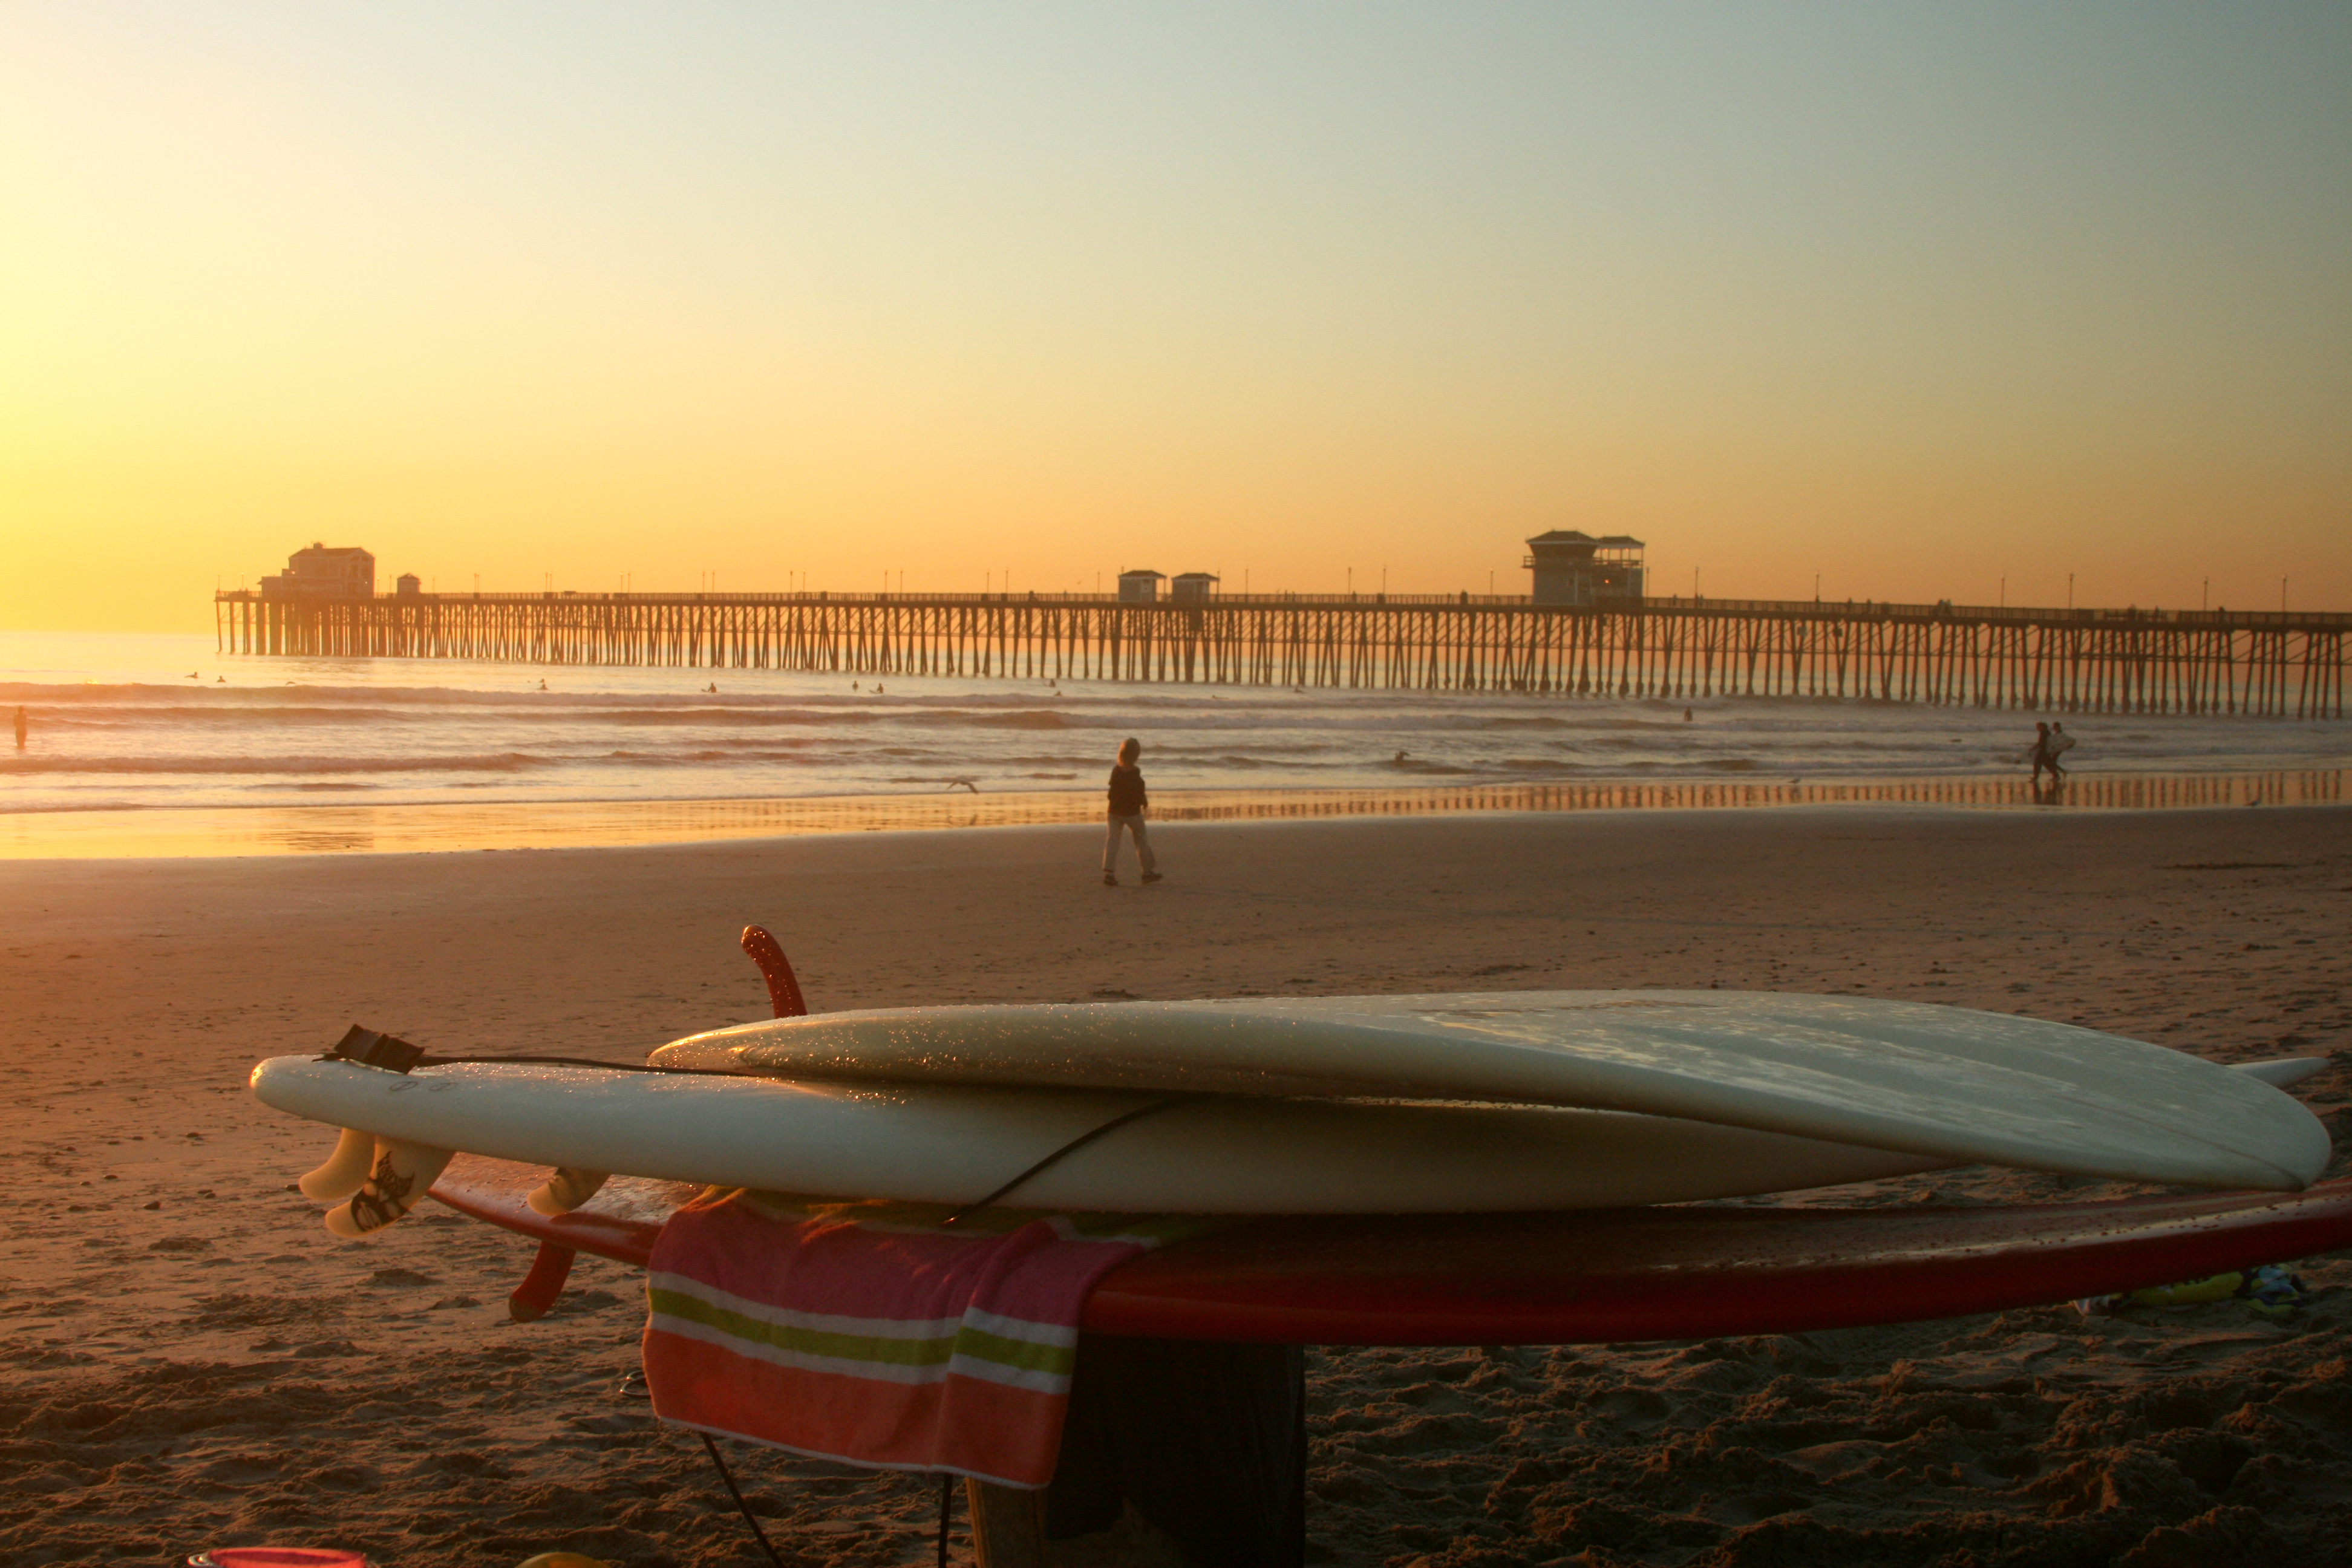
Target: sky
1886,300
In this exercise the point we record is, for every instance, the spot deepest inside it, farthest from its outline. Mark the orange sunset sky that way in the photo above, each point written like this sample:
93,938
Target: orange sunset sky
1913,296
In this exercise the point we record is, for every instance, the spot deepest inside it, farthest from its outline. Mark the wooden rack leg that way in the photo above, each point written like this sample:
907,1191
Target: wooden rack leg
1008,1525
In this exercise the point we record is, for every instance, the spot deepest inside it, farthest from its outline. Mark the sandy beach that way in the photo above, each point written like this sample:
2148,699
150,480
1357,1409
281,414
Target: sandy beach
192,1360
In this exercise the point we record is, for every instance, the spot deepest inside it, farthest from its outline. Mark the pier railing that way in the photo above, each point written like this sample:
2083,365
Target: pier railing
2088,660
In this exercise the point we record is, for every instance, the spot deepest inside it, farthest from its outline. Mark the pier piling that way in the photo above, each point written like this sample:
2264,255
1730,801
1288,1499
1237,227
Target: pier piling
2098,661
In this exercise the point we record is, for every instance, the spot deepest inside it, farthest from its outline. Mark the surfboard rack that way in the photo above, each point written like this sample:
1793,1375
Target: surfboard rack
1594,1276
1603,1276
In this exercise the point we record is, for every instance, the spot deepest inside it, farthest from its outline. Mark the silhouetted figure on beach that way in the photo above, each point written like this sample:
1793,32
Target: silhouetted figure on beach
2056,747
1128,804
23,724
2040,755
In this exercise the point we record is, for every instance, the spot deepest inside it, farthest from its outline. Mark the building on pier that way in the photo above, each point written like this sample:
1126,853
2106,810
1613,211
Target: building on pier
1193,587
1575,568
1141,587
346,571
409,584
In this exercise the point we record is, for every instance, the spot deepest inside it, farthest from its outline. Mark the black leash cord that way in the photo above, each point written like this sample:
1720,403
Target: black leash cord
373,1049
433,1061
736,1493
1072,1147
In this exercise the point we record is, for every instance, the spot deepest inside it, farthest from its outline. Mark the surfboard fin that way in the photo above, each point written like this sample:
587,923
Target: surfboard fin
783,987
402,1172
2281,1071
564,1191
530,1299
345,1171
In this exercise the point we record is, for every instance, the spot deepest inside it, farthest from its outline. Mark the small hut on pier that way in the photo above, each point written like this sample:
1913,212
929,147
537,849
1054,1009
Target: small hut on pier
1575,568
345,572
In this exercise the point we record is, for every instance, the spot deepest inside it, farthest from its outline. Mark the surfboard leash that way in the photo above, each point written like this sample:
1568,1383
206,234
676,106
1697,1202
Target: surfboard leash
371,1048
1066,1150
368,1047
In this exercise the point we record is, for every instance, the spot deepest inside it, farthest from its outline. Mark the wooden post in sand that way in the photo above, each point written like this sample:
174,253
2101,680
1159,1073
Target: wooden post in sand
1008,1525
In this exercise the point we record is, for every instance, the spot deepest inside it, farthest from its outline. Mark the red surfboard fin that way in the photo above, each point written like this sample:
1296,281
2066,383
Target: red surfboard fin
783,989
542,1285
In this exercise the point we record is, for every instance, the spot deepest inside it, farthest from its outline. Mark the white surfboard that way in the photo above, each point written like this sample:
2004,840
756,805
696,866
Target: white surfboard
1940,1082
957,1144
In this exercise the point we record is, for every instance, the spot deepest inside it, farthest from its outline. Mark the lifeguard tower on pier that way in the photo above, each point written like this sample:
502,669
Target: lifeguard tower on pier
1576,568
346,571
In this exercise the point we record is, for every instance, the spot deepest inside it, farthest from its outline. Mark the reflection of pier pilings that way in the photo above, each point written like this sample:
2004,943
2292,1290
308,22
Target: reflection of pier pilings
2153,792
386,829
2110,661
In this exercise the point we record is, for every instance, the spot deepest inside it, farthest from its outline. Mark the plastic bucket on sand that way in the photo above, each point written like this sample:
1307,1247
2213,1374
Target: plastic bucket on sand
277,1557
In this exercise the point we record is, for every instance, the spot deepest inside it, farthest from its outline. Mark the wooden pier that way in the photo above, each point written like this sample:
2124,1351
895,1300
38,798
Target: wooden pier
2092,661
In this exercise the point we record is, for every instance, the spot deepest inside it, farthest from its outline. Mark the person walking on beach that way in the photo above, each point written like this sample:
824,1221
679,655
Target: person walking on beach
1128,804
2039,755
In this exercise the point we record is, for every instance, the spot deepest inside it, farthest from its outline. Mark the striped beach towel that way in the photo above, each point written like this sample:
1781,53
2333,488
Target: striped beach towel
865,1332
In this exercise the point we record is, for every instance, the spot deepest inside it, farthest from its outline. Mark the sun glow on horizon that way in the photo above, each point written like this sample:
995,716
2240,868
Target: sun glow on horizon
1932,305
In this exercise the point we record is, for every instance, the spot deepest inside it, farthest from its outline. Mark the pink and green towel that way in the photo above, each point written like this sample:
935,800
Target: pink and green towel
867,1332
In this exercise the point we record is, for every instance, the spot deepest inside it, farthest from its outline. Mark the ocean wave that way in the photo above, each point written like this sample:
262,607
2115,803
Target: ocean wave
1025,719
37,764
119,716
1172,751
125,716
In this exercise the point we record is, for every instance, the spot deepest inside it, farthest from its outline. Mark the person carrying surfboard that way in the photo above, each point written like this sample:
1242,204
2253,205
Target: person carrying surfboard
1128,804
2058,743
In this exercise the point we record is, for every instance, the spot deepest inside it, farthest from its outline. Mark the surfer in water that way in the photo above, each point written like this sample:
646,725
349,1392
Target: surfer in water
1127,804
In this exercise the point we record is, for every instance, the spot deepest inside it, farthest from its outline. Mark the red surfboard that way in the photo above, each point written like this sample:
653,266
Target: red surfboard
1580,1277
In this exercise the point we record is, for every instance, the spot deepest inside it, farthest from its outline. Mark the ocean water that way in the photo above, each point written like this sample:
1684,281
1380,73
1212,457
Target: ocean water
126,721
